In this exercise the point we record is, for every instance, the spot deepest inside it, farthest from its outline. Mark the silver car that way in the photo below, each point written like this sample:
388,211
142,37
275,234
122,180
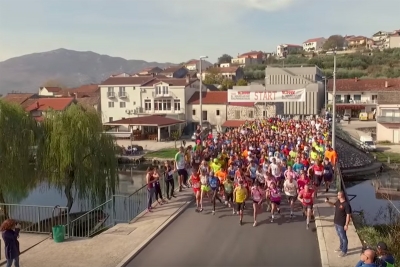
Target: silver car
346,117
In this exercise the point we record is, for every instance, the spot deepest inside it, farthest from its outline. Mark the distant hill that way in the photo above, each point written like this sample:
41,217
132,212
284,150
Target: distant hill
67,67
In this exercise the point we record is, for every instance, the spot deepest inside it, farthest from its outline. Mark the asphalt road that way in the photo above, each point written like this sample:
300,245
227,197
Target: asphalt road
203,239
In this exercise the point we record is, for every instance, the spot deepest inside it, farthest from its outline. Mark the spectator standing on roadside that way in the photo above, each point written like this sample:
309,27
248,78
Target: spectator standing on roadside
169,179
10,233
385,258
180,166
341,221
150,187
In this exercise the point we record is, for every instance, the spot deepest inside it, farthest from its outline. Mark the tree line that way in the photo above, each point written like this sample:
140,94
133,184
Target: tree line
66,150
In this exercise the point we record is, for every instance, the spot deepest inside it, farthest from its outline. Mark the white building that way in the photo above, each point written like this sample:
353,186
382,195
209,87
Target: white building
125,97
49,90
194,65
314,44
283,50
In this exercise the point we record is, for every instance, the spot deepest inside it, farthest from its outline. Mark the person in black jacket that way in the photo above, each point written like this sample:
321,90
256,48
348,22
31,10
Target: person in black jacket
10,233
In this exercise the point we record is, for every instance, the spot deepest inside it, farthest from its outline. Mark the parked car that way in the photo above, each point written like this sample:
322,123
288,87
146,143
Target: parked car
346,117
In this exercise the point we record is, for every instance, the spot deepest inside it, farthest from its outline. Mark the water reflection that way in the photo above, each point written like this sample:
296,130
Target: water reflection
130,180
375,210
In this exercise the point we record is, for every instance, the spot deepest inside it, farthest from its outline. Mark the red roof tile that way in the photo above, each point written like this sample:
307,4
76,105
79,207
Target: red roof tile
192,62
171,69
213,97
233,123
88,89
153,120
242,104
251,53
17,98
57,103
365,85
51,89
127,80
313,40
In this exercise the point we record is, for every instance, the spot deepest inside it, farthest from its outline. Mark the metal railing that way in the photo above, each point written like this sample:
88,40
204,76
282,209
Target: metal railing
35,219
119,209
93,221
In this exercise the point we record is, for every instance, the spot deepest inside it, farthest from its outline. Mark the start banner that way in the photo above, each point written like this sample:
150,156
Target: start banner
296,95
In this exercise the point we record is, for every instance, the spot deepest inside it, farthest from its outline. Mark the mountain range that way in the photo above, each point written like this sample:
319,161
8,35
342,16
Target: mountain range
64,68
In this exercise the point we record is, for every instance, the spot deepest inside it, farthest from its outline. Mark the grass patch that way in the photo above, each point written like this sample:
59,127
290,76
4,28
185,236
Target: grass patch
390,234
383,156
166,153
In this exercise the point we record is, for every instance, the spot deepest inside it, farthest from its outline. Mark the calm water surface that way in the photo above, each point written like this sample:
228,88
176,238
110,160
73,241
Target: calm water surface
129,181
375,210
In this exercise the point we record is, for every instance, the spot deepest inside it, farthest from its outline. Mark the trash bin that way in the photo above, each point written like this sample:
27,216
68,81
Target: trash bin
58,233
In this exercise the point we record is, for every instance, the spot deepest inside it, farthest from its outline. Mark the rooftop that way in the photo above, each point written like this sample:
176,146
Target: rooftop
127,80
88,89
251,53
17,98
153,120
385,98
57,103
52,89
170,69
365,85
314,40
170,81
214,97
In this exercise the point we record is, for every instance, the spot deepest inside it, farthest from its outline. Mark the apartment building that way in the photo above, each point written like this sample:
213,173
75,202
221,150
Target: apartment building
126,97
314,44
388,116
309,78
283,50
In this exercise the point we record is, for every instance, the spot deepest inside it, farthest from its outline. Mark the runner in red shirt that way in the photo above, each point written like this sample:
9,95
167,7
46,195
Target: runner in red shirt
196,185
317,171
306,197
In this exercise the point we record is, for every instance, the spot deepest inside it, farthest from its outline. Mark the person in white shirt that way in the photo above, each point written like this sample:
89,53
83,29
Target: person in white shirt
290,187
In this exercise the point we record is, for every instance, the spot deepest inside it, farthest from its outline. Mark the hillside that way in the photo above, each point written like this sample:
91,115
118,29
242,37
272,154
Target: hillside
367,64
67,67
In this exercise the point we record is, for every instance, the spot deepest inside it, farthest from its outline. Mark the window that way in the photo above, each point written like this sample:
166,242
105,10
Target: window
357,97
111,89
158,90
147,104
251,114
165,90
237,114
194,112
265,113
110,104
205,115
217,112
177,104
110,119
122,104
162,104
122,89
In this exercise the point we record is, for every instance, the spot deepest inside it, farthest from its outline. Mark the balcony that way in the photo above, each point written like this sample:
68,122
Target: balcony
122,94
162,94
387,119
352,102
110,94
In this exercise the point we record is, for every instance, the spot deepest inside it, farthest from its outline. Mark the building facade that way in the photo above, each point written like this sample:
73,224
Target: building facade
127,97
310,78
359,95
388,117
314,44
283,50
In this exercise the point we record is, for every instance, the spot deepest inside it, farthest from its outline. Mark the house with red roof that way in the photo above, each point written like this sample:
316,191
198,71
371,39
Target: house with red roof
49,90
194,65
41,106
314,44
247,59
283,50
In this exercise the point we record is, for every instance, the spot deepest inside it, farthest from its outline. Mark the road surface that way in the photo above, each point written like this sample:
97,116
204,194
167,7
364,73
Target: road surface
203,239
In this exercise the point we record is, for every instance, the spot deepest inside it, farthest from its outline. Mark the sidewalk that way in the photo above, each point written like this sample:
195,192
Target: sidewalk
328,239
111,247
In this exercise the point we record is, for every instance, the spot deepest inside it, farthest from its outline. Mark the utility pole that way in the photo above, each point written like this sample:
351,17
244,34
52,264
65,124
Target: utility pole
201,91
334,102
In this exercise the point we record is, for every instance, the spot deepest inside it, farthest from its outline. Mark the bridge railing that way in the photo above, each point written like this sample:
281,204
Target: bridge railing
33,218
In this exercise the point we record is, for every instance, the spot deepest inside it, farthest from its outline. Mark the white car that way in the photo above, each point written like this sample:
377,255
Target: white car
346,117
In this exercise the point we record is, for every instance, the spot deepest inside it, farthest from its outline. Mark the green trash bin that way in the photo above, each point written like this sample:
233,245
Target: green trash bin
58,233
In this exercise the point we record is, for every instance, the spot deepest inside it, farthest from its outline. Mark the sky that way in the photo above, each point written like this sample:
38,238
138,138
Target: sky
179,30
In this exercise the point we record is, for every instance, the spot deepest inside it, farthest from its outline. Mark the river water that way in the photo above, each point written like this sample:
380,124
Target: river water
130,180
376,211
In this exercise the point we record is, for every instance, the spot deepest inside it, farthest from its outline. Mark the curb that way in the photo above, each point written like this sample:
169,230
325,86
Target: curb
147,241
321,240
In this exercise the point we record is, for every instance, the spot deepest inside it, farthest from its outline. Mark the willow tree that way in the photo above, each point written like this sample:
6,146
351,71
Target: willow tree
17,137
75,156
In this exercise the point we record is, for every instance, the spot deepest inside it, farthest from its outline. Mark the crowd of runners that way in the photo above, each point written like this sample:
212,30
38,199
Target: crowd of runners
260,164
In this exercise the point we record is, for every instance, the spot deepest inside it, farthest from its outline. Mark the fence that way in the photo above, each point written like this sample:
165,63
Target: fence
119,209
35,219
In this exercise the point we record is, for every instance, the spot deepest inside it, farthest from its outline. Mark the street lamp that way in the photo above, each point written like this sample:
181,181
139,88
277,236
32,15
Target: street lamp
201,91
334,102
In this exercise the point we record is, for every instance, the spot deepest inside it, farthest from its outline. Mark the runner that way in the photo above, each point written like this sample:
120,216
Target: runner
228,189
213,181
239,196
291,188
328,174
256,194
275,198
306,197
196,185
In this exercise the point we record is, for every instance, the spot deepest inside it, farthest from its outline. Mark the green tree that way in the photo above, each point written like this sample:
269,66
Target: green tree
334,42
241,82
212,76
17,138
74,155
176,135
226,84
225,58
